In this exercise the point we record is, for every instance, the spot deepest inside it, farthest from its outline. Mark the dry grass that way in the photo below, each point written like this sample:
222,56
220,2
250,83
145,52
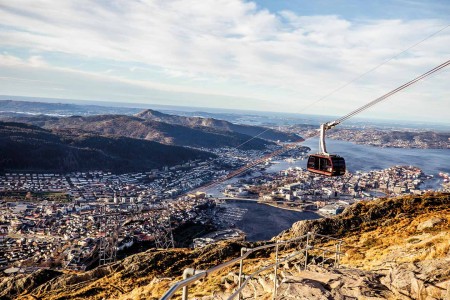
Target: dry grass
392,239
400,242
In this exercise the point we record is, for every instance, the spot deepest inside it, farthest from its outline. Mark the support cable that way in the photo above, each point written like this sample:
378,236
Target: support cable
400,88
354,79
338,121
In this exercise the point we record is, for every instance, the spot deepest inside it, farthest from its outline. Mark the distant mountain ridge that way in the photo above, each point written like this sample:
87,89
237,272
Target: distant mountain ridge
258,131
197,131
60,109
31,148
134,127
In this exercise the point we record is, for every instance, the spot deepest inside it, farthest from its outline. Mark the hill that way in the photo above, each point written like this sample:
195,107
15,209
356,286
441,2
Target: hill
138,128
31,148
394,138
395,248
148,124
261,132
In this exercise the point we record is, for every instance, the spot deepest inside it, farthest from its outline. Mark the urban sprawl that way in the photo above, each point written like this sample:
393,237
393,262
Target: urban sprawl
77,220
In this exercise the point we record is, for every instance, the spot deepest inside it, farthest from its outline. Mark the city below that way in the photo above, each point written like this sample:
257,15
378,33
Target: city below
243,149
123,180
62,220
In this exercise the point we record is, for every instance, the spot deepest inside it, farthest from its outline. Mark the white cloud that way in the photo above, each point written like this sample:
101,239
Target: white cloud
9,60
226,48
37,61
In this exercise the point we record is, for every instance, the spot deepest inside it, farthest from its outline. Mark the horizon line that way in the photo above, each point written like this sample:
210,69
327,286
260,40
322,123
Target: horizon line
118,104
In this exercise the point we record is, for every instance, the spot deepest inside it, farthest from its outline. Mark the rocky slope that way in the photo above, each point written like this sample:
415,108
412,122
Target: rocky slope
406,241
393,249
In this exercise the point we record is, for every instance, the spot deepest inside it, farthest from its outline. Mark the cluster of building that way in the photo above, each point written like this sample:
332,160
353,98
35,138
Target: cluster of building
404,139
445,181
30,182
68,235
153,185
299,189
61,220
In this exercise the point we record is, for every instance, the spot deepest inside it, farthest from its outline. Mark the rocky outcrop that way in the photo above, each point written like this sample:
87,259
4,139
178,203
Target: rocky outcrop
429,223
10,288
428,279
321,283
111,281
364,216
315,283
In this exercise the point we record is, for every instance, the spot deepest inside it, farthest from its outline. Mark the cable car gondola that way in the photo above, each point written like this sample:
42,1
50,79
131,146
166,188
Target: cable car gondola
324,163
329,165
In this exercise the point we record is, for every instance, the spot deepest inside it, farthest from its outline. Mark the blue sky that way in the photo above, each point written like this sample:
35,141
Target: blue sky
263,55
363,10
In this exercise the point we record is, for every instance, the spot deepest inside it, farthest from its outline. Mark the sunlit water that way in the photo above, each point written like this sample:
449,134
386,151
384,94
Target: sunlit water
262,222
366,158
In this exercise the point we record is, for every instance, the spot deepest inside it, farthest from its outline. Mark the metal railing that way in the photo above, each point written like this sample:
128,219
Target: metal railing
191,275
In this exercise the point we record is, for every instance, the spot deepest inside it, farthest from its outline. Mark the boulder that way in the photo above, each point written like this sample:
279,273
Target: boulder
430,223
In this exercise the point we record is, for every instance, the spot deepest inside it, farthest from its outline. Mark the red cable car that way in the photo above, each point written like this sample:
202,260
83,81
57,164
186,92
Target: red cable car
323,163
329,165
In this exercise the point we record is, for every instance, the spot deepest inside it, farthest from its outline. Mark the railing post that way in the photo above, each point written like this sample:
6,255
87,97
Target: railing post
336,255
276,272
323,257
306,249
185,288
198,274
243,250
185,293
186,273
339,254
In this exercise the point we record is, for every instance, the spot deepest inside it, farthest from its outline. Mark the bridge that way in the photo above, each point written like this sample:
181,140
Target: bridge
238,199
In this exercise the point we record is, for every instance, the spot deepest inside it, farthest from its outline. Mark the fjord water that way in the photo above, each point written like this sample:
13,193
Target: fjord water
262,222
365,158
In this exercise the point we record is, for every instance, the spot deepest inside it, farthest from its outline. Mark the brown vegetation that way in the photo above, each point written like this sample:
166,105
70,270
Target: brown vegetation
383,236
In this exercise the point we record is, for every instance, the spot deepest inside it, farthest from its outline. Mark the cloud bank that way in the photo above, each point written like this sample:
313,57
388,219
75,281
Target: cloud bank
218,53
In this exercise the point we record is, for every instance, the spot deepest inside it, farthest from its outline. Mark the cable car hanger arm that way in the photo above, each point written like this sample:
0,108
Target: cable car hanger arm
324,127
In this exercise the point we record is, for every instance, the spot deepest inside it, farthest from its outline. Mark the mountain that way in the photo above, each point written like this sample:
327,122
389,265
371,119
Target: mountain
28,147
260,132
36,120
40,106
394,248
138,128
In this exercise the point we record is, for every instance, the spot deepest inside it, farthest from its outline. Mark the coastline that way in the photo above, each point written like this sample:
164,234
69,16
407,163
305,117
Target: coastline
274,205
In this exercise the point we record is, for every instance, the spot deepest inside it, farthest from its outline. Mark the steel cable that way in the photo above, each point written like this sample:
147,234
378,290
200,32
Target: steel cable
340,120
354,79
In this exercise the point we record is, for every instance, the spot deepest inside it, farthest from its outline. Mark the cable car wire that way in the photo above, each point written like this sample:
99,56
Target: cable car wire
353,80
376,67
400,88
338,121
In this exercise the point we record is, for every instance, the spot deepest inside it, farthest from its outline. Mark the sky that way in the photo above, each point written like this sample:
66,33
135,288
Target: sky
269,55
